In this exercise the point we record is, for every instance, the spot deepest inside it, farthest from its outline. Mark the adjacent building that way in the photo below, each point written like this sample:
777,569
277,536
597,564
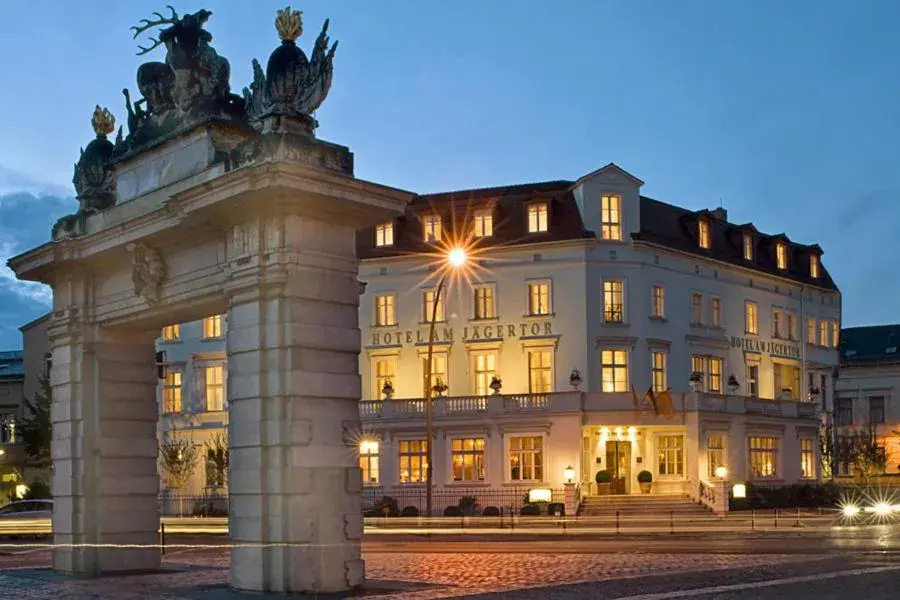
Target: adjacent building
11,454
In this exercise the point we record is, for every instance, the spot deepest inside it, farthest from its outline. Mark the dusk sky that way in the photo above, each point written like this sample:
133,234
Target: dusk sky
788,113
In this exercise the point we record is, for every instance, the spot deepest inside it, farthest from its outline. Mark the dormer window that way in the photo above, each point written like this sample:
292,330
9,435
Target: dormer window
537,217
781,255
814,266
384,234
704,234
611,217
748,247
483,223
431,228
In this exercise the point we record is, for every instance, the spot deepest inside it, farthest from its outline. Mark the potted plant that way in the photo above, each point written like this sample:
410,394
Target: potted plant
645,480
696,381
496,384
387,390
439,388
575,379
603,479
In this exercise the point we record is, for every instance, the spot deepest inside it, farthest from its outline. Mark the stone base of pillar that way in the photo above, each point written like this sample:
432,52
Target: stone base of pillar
569,500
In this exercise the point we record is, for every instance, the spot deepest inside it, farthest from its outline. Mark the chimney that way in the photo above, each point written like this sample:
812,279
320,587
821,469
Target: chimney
720,214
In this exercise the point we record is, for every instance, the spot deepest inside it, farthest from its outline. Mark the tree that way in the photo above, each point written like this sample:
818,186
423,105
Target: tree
177,460
35,427
826,452
217,461
861,450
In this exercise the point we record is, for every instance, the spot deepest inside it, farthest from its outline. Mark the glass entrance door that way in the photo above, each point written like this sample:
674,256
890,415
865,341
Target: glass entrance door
618,463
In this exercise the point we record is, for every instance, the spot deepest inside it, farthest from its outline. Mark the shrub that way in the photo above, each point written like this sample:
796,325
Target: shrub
378,510
800,495
645,476
468,505
452,511
38,490
491,511
557,509
603,476
530,510
409,511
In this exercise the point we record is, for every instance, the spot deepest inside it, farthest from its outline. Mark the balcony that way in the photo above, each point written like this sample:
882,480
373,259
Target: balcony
785,409
471,405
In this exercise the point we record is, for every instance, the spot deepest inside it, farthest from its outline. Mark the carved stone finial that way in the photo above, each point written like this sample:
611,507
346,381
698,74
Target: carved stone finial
289,24
103,122
147,271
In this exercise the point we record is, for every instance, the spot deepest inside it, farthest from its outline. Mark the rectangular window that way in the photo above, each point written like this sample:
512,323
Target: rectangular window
781,255
696,309
776,323
540,371
714,383
385,370
484,366
439,378
658,373
614,370
751,320
431,228
811,331
215,387
483,223
823,333
716,312
428,309
790,326
748,246
704,237
658,297
843,411
715,453
538,299
753,379
670,455
807,459
368,460
763,457
787,380
698,366
484,302
876,409
384,310
172,392
384,234
212,327
614,301
467,455
611,218
413,456
7,429
526,458
814,266
171,333
835,334
537,217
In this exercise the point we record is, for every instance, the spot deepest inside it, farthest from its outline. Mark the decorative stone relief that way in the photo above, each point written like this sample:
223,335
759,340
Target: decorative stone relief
244,239
274,237
147,271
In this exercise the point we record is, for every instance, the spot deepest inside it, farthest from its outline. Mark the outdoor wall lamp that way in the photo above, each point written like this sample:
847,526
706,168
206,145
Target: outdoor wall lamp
569,474
721,472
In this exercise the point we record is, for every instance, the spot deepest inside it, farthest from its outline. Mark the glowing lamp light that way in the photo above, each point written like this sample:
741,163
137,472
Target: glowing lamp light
2,451
721,472
739,490
569,474
368,447
632,431
21,490
850,510
456,257
540,495
883,508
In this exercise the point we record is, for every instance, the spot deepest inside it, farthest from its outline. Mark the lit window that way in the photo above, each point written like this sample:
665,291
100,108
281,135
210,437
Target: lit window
7,429
428,308
540,371
614,370
787,380
439,381
776,323
658,371
484,302
811,331
215,466
538,298
698,367
467,455
835,334
171,333
484,365
807,459
215,387
752,379
611,218
658,296
791,326
385,368
526,458
537,217
704,230
431,228
384,234
413,456
484,223
763,457
172,392
368,460
384,310
823,332
212,327
781,255
613,301
715,453
670,455
716,312
751,320
696,309
748,246
814,266
714,383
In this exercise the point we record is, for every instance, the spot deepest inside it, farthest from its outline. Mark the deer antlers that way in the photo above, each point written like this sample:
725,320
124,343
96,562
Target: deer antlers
146,24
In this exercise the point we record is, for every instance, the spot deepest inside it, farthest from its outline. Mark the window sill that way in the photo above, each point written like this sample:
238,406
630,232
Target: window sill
616,323
523,483
439,322
168,342
377,326
480,483
480,320
219,338
658,319
539,316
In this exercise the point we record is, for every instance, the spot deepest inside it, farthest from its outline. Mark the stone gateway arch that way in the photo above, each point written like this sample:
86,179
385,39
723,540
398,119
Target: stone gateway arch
213,203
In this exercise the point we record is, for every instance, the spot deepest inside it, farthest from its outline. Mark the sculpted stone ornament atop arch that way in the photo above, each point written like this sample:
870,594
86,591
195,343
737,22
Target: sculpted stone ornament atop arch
148,271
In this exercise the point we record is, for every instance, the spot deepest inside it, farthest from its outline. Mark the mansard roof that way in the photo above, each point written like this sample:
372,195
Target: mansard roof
874,343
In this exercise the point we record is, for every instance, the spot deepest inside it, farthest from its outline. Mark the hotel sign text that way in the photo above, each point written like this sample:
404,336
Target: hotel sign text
774,348
470,333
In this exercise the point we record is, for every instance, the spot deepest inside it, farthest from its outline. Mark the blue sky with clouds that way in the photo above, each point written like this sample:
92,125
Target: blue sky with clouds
786,112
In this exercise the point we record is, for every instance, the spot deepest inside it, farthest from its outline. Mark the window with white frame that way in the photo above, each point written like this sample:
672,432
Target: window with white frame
526,458
716,309
811,331
540,370
781,255
384,310
752,366
413,459
428,308
384,369
172,391
751,318
484,302
171,333
705,237
614,370
538,217
431,228
658,301
715,453
748,246
214,387
658,370
439,377
384,234
613,301
714,381
807,459
696,308
539,298
763,457
611,217
670,455
698,366
776,323
483,223
787,379
835,334
790,325
368,460
467,458
823,333
484,367
814,266
212,327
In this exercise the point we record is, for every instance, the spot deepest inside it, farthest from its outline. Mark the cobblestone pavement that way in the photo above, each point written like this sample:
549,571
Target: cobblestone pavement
202,575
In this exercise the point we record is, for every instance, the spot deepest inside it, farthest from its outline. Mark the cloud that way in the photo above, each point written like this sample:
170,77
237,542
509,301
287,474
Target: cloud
25,222
15,182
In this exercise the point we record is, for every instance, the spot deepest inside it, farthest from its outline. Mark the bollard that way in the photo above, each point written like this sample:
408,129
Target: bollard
776,518
617,522
501,517
162,538
752,519
672,522
797,522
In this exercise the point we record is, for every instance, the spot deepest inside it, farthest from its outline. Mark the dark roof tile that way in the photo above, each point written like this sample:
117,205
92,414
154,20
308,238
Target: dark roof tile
870,344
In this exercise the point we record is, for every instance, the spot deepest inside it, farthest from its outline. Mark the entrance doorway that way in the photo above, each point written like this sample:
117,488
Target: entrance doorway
618,463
